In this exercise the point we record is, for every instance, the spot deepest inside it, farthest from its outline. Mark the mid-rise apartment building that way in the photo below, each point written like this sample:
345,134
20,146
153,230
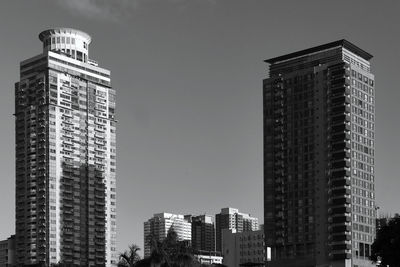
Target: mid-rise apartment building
203,232
158,226
231,218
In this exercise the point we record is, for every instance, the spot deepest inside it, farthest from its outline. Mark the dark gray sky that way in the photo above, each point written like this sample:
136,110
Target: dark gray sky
188,76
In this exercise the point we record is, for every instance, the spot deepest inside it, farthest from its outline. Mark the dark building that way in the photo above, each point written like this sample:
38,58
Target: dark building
203,232
319,124
7,252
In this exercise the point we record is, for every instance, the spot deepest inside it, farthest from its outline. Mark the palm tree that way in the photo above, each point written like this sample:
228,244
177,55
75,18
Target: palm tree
129,258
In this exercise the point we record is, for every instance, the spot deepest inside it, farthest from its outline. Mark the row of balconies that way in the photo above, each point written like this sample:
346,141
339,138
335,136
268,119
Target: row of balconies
339,100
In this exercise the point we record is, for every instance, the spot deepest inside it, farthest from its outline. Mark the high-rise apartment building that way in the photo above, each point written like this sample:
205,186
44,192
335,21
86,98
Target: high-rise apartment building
203,232
319,124
65,155
158,226
230,218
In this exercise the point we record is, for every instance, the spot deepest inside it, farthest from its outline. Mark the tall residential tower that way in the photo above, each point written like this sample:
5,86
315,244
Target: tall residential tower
319,132
65,155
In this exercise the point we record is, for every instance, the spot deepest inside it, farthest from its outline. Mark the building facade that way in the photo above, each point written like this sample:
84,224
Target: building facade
65,155
203,232
7,252
158,226
230,218
319,157
243,248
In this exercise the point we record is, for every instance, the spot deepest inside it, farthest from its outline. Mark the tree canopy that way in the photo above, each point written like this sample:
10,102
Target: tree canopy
171,252
386,247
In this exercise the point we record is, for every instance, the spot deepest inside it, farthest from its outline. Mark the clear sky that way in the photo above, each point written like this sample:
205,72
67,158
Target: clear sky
188,75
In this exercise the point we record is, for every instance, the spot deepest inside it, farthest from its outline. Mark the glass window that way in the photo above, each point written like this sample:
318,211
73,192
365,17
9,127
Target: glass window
79,55
63,40
72,40
58,40
68,40
53,40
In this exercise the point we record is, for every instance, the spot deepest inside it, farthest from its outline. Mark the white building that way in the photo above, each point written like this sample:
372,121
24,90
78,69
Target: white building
243,247
231,218
65,155
159,225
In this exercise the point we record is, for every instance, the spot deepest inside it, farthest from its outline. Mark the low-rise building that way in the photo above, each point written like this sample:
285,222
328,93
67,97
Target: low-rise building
243,248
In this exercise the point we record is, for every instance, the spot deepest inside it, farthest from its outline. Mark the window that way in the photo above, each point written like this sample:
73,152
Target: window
79,55
58,40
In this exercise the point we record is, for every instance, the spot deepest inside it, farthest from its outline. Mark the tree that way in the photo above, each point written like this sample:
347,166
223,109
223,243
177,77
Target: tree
387,244
171,252
129,258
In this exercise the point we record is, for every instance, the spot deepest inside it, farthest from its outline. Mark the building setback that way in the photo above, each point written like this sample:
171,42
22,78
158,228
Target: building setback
319,150
158,226
65,155
230,218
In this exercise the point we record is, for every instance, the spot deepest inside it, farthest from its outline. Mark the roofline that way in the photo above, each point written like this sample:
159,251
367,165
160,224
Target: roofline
343,43
58,30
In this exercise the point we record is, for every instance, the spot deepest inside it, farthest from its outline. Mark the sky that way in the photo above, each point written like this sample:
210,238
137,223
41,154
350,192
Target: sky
188,76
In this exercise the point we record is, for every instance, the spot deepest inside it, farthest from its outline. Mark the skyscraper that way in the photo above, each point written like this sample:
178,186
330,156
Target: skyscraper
65,155
230,218
319,124
158,226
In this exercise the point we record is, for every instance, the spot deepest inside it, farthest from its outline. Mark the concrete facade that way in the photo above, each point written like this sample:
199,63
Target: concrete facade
65,155
243,248
159,225
231,218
